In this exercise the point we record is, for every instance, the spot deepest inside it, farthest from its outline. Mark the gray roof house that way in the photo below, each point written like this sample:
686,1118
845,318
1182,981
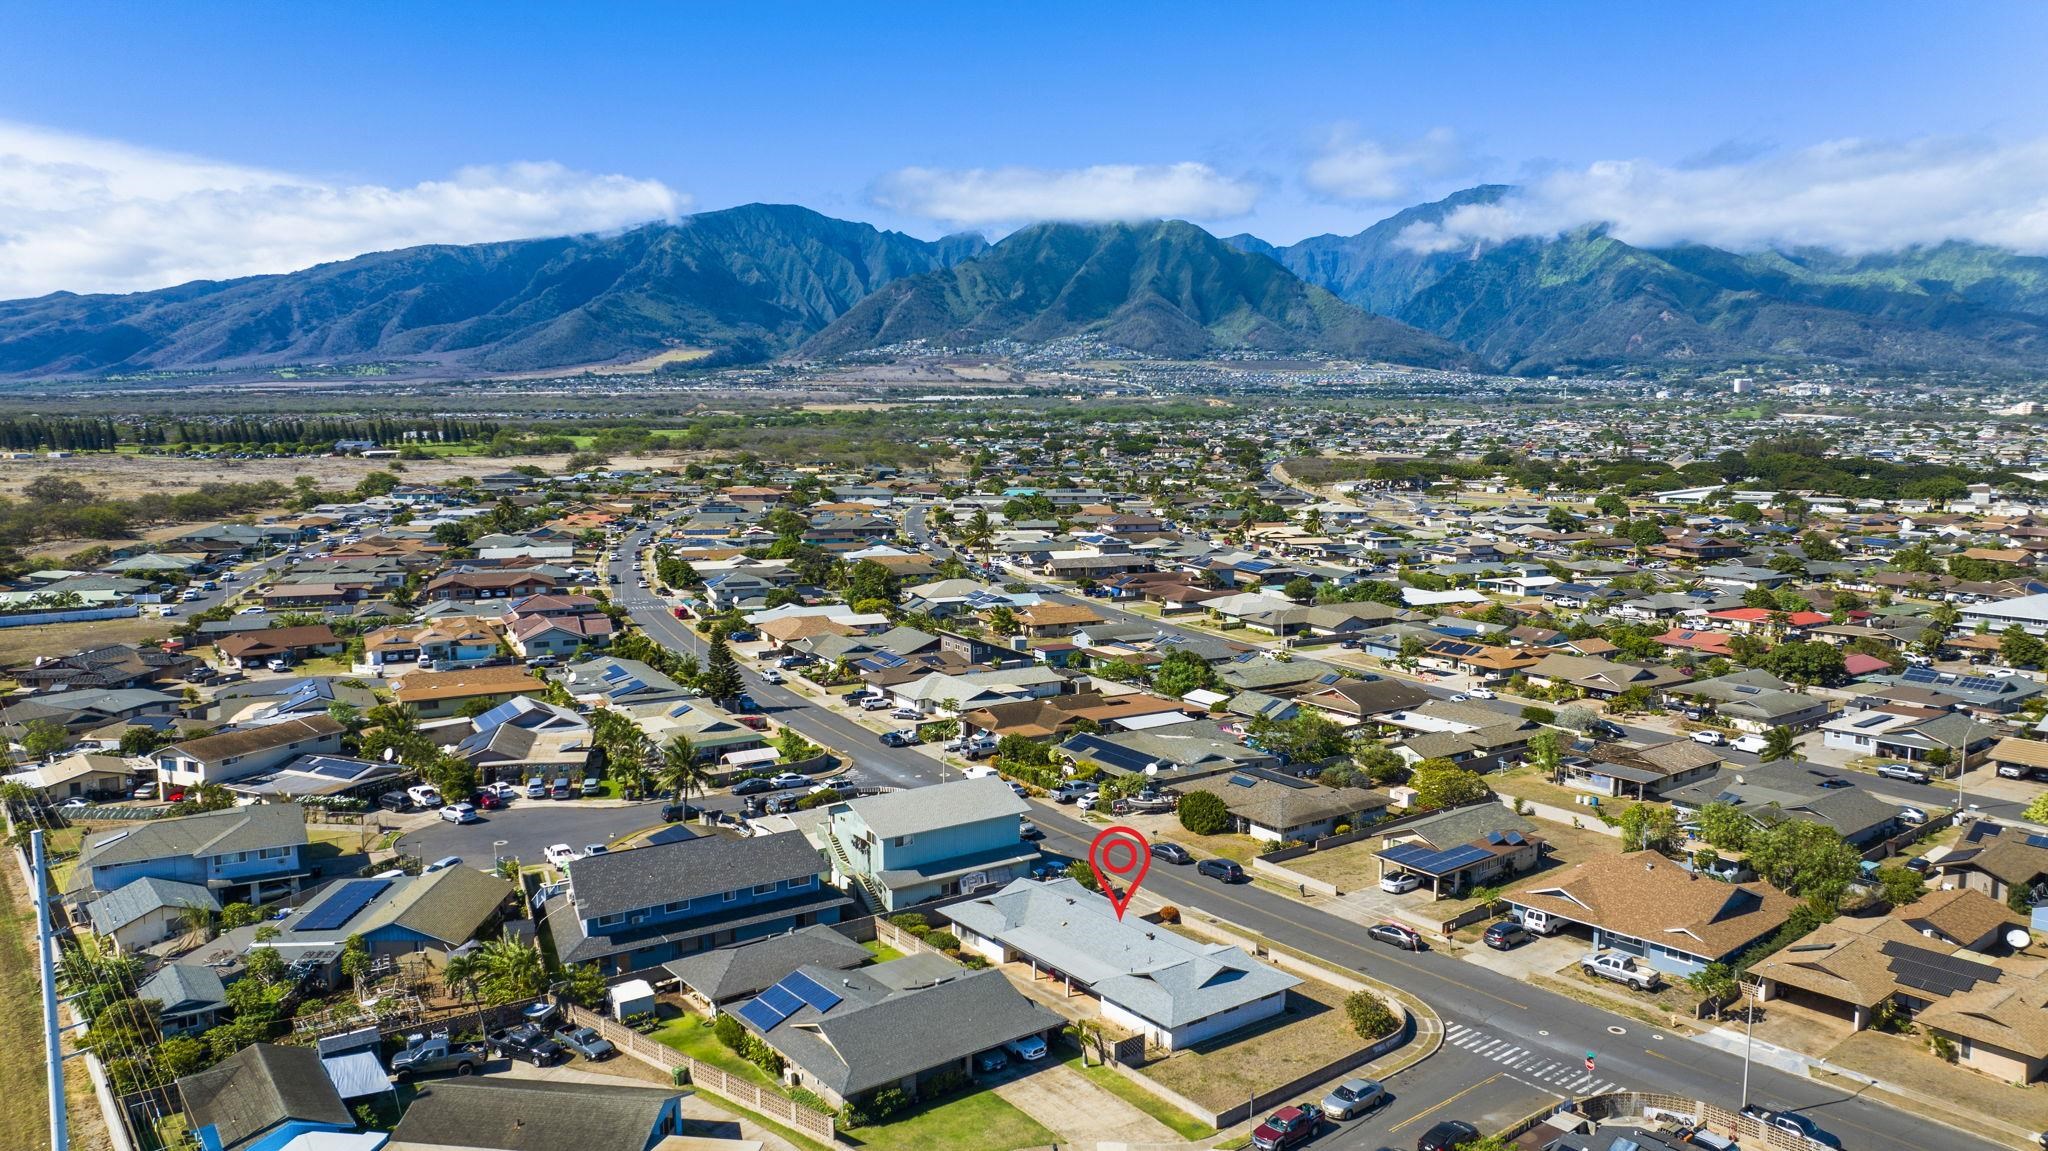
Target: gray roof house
146,912
892,1025
258,1089
744,971
192,996
229,851
494,1114
1173,990
909,847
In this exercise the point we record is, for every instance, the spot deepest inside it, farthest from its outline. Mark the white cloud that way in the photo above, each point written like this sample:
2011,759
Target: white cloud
977,196
1851,196
1351,168
89,215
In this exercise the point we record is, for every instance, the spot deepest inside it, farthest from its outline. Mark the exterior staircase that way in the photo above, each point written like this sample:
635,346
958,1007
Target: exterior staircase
864,888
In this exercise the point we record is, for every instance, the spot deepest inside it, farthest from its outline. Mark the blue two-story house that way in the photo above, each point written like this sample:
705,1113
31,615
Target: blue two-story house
629,910
903,848
242,854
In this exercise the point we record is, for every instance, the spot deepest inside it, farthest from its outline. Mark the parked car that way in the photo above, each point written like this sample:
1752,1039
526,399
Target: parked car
488,801
503,791
904,738
1833,782
1710,738
1404,938
1901,772
788,779
906,713
442,864
1172,853
1912,816
1288,1127
459,813
1031,1048
561,789
592,785
1506,935
771,676
753,785
536,788
2013,771
1792,1123
423,795
1622,969
559,855
1227,870
1354,1097
143,791
874,703
991,1061
526,1042
74,805
1448,1135
1029,831
1480,693
1399,882
1752,743
585,1041
678,812
1606,729
429,1054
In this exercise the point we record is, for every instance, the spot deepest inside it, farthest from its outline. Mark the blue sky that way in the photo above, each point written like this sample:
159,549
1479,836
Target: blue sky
288,132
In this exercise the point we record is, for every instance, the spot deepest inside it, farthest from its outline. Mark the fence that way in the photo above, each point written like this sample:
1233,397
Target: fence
804,1120
31,619
1652,1107
879,930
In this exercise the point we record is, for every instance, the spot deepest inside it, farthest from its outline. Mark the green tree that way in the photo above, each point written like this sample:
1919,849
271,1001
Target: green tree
1780,743
868,580
1546,752
1380,764
1716,982
508,971
1081,873
1439,783
1300,589
1725,826
238,915
1182,671
42,737
1370,1016
1647,827
1810,860
2015,646
1204,813
583,984
679,774
1309,737
355,960
722,680
1900,885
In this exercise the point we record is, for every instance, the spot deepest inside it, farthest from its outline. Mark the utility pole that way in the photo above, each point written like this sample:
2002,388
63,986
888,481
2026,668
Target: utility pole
46,948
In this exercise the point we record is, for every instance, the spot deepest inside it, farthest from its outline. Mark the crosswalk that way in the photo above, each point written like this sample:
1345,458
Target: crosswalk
1544,1070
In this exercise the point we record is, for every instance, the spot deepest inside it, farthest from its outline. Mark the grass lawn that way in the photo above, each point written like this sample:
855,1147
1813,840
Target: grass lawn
689,1034
882,952
980,1120
1116,1083
1313,1032
22,1124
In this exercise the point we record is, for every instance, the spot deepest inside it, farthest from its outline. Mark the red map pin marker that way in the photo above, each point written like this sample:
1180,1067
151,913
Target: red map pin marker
1120,855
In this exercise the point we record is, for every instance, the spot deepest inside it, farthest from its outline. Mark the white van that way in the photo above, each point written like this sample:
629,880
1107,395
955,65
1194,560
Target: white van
1753,744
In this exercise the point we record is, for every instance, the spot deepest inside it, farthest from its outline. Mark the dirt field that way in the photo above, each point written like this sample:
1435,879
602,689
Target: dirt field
123,476
23,644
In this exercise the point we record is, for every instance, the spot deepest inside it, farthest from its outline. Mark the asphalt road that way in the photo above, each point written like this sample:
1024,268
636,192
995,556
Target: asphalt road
528,827
1529,1038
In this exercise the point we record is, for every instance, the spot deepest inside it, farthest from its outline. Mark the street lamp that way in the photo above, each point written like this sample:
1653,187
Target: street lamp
1749,1028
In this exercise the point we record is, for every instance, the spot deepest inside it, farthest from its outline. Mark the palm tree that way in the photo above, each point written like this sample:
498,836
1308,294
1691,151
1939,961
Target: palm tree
680,773
460,973
196,921
979,534
509,970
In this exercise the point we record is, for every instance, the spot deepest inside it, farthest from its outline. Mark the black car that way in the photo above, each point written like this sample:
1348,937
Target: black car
677,812
1401,937
1607,730
1227,870
1506,935
1791,1123
991,1061
1446,1136
1918,863
754,786
1171,853
1831,782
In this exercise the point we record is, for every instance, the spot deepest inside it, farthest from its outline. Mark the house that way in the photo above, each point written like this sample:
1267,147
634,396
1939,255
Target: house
1281,808
448,644
246,751
848,1034
610,681
1055,620
1600,678
246,853
1996,859
630,910
903,848
146,912
191,997
504,1114
1999,1028
1056,717
1912,735
1749,700
728,974
84,709
1181,749
1961,917
1353,700
939,693
1644,905
1852,968
465,585
1464,848
1174,991
439,694
251,648
260,1098
396,916
117,665
2026,756
1783,789
80,773
1618,770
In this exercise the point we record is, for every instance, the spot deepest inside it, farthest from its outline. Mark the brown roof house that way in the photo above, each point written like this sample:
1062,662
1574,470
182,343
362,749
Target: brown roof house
1998,1028
437,694
248,648
247,751
1270,806
1053,620
1851,968
1647,906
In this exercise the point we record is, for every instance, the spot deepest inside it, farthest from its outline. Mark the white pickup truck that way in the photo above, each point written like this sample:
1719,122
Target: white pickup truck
1622,969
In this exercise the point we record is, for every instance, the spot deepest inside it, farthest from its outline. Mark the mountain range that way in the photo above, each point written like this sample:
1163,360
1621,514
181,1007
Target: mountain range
760,281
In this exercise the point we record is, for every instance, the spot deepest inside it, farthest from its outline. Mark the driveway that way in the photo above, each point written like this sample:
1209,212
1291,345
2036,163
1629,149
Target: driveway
528,829
703,1117
1083,1114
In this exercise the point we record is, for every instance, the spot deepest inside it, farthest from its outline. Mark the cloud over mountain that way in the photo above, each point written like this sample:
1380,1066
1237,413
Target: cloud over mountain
1848,196
90,215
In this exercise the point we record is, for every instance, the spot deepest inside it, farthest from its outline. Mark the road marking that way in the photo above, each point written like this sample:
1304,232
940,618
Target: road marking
1421,1115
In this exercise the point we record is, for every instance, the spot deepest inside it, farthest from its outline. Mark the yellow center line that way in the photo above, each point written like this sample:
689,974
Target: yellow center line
1419,1116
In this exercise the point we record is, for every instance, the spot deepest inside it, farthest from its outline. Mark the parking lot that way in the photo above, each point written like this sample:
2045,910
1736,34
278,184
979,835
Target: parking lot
527,829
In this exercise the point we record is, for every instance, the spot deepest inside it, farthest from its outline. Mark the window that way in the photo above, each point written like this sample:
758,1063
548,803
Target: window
610,920
679,905
731,895
801,882
764,889
901,840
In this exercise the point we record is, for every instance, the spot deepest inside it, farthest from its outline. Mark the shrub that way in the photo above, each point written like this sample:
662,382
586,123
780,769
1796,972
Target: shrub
945,1082
763,1056
943,940
731,1033
812,1100
1538,714
1944,1048
909,921
971,961
1169,914
884,1103
1204,813
1370,1016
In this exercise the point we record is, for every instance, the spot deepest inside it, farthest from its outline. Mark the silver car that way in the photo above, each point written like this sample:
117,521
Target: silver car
1354,1097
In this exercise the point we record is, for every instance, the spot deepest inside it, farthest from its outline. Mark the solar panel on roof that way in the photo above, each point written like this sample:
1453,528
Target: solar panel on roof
1494,837
1514,839
1920,675
1458,857
782,999
762,1016
1934,971
819,996
343,905
1243,781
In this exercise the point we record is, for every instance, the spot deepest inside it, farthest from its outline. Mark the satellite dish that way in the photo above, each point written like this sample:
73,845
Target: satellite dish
1151,769
389,753
2018,938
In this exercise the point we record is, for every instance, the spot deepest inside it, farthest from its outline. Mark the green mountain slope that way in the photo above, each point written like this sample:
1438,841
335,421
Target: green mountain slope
1373,269
1163,288
746,282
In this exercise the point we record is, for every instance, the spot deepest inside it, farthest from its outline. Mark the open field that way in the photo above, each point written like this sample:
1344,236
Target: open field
120,475
24,644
